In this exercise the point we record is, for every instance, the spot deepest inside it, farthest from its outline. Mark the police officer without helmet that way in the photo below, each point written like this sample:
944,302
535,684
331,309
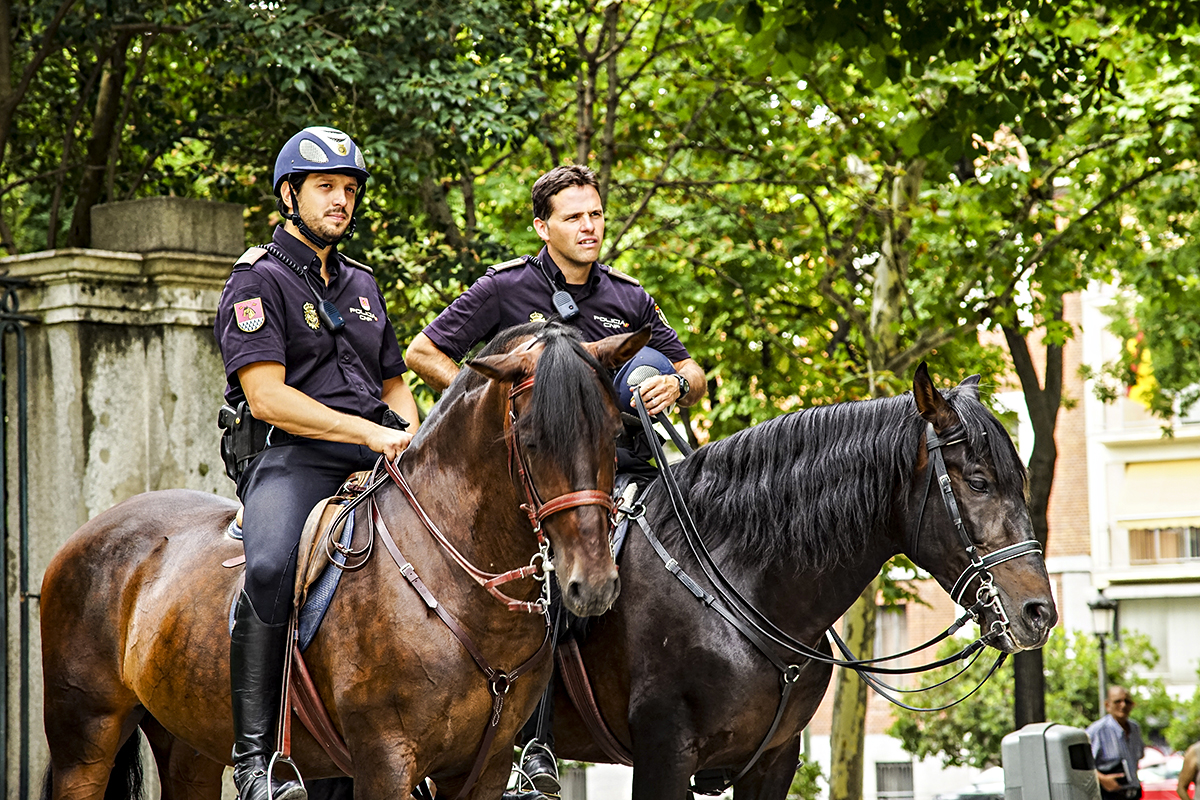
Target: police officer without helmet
563,280
306,341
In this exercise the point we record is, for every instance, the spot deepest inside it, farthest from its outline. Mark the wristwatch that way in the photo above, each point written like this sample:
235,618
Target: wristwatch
684,386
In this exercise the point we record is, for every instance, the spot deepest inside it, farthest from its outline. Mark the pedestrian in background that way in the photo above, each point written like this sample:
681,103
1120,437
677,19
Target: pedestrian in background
1117,747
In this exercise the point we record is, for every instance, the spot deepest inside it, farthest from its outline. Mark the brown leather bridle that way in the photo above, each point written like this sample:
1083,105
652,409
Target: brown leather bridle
538,509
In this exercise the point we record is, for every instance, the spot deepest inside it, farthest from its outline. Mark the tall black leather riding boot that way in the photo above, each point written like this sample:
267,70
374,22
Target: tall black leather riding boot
256,653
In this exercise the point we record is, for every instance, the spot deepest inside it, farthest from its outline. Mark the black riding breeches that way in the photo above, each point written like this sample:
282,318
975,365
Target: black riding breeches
279,489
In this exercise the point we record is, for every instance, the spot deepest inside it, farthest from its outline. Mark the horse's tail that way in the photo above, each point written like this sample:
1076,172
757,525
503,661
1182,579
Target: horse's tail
47,783
125,780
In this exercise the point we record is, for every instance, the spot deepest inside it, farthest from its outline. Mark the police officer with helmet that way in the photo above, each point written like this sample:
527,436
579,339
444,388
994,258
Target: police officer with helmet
564,280
316,391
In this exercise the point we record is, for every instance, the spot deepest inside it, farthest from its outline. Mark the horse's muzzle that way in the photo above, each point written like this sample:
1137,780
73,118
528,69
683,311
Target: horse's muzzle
589,599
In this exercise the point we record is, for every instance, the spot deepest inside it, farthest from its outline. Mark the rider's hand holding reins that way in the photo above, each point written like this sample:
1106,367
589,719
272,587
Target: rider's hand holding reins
274,402
659,393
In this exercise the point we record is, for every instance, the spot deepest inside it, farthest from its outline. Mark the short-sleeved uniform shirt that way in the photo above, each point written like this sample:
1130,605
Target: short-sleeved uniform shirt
519,291
268,312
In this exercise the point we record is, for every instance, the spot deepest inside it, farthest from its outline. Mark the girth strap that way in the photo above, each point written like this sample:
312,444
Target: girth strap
579,689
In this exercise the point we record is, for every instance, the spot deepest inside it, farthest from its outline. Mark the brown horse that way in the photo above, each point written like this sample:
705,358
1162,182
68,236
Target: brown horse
134,607
797,516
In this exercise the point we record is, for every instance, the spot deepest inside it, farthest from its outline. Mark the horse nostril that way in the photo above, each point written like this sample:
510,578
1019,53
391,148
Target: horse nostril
1039,615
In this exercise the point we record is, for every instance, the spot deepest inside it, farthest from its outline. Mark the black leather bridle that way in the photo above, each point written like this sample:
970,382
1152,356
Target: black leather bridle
755,626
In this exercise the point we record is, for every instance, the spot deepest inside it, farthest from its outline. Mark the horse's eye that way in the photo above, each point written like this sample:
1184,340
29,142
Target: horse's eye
978,484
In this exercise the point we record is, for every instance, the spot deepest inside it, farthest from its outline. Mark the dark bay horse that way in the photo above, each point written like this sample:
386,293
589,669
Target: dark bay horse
800,513
135,605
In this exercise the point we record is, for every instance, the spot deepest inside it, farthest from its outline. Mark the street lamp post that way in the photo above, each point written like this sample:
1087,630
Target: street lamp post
1104,615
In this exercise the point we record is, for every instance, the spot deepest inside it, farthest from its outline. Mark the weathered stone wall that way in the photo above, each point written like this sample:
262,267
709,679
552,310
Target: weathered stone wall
125,380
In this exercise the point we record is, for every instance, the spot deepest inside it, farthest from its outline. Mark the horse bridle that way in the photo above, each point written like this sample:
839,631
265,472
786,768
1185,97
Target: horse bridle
536,508
987,596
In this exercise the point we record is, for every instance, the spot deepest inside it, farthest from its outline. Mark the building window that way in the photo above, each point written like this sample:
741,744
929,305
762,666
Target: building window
1164,545
893,780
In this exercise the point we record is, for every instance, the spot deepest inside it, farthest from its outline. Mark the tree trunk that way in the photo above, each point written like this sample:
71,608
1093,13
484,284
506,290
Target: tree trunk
891,271
108,106
1043,399
608,144
848,734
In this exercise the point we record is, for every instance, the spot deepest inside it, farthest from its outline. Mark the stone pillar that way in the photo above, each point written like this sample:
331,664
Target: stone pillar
125,380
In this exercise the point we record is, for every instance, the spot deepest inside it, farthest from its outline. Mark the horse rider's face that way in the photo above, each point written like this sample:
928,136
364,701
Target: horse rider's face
326,202
575,229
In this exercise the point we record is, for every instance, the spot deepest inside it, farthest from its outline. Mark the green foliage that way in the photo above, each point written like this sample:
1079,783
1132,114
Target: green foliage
970,732
818,199
806,784
1184,728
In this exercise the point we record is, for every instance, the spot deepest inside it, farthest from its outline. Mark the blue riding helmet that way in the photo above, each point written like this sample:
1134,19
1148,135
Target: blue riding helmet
646,364
320,149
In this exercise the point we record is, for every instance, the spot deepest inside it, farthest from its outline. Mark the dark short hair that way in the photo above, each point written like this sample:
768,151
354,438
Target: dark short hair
555,181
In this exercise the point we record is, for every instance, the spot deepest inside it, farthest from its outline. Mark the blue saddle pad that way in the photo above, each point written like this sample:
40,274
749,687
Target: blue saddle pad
320,594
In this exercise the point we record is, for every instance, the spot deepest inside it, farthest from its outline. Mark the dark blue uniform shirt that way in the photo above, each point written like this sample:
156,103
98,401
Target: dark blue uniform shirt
509,294
268,313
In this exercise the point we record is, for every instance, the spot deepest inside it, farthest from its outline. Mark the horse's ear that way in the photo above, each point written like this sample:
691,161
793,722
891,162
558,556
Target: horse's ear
510,367
614,351
970,387
930,403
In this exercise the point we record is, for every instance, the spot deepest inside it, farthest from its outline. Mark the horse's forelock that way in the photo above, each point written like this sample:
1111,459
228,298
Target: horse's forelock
988,440
572,395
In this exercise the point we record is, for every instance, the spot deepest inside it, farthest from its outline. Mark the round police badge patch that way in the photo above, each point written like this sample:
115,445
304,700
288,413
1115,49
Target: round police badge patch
249,315
537,316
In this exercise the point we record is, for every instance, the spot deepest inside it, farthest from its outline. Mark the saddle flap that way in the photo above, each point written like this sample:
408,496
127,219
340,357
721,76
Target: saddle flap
313,552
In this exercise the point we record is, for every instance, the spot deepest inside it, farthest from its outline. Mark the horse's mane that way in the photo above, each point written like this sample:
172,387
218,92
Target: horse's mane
567,403
813,487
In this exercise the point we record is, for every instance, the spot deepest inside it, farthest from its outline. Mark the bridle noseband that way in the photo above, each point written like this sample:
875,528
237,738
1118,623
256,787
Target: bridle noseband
987,595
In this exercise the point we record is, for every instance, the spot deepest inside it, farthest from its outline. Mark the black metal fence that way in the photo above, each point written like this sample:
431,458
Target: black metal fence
14,423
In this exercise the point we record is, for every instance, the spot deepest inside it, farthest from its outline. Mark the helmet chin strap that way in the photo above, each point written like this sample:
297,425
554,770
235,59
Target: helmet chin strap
311,235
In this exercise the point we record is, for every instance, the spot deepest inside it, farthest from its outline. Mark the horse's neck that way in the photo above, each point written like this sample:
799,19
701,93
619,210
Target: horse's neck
807,602
460,472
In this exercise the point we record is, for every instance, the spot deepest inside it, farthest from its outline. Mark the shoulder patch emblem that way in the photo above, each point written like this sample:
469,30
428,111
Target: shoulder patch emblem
661,315
249,315
621,276
537,316
503,265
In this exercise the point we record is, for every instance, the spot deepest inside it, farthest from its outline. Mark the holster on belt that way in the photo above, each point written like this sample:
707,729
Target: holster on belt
244,437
